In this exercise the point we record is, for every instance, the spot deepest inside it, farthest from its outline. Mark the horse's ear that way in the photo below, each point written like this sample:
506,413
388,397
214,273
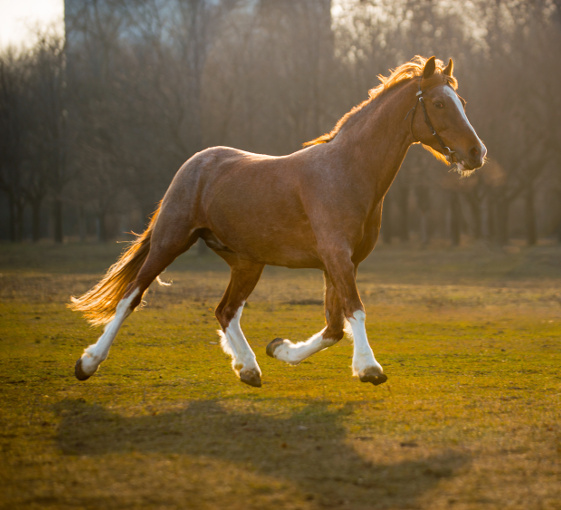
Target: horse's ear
430,67
449,69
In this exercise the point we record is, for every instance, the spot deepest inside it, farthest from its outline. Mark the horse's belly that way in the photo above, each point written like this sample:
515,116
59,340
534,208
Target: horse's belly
273,246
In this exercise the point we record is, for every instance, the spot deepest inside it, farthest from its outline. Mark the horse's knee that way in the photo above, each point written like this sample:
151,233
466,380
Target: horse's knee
225,314
222,317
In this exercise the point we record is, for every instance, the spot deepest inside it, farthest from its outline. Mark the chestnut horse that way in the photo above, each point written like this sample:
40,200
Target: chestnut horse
320,207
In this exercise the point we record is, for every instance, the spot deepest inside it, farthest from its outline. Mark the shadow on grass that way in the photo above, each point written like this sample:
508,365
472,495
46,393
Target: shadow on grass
309,449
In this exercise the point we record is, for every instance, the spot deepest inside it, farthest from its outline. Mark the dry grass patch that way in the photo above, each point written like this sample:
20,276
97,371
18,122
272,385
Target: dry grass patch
468,419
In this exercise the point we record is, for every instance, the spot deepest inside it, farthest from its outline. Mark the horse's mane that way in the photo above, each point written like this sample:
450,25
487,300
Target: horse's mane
404,72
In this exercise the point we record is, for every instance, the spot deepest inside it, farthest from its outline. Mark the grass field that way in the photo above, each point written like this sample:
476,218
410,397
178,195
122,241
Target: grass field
469,418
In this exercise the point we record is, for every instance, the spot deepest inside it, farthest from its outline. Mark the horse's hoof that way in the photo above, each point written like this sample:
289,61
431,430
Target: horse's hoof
251,377
373,375
79,371
272,347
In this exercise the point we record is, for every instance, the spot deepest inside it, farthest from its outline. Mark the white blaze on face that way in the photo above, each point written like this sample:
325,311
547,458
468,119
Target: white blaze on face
456,100
448,91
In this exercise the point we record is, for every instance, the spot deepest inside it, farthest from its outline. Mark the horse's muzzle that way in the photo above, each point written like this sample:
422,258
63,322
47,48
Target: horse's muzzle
477,156
473,159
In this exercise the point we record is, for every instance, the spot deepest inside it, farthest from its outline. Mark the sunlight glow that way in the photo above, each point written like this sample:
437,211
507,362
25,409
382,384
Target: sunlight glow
20,20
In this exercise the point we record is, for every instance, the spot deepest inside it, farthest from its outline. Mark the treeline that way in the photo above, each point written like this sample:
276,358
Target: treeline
94,126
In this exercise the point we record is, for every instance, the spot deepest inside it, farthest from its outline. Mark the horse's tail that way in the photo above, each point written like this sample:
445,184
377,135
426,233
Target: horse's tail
100,303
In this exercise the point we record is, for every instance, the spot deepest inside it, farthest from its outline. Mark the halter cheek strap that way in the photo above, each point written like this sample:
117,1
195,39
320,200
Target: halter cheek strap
421,100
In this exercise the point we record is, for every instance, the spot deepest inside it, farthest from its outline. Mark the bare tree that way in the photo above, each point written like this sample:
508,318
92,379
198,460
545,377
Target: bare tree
47,145
99,127
13,124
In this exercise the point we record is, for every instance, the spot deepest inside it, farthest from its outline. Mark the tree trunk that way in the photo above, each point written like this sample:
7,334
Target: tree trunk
424,226
16,219
403,202
57,221
488,218
36,220
530,218
101,228
475,210
422,195
501,220
82,225
13,221
455,219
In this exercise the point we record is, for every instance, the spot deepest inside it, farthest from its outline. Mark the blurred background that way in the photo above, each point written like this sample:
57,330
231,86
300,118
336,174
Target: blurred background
95,119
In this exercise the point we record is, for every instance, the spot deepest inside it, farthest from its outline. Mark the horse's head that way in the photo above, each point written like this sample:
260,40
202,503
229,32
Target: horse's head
439,120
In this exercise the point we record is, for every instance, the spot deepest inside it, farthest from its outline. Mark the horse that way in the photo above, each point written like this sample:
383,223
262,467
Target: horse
319,207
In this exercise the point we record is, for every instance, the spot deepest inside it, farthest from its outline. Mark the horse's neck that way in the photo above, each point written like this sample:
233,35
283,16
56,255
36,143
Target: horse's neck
379,140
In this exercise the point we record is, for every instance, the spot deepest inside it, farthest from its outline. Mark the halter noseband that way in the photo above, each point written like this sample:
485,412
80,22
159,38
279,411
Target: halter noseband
447,151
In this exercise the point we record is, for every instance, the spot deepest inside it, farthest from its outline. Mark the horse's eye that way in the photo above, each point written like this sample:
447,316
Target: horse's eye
439,104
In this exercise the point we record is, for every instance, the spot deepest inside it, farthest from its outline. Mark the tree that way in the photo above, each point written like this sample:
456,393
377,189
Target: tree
99,126
47,147
13,124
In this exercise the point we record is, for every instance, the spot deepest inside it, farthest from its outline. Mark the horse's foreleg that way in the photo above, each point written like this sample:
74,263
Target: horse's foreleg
96,353
365,366
294,353
343,275
244,276
234,344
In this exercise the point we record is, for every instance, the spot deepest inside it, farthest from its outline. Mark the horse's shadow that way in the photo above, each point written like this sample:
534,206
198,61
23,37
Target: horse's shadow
309,448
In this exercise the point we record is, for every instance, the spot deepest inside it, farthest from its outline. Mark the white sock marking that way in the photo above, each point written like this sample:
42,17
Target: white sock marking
363,357
294,353
96,353
234,343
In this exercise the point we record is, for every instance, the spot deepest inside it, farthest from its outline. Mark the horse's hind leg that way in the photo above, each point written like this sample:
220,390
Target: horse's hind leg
159,257
243,279
95,354
294,353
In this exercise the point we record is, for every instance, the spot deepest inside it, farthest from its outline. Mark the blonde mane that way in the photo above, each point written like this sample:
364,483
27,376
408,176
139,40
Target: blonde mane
404,72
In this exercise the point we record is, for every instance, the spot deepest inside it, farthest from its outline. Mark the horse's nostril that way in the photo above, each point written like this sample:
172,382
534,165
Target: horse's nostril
477,154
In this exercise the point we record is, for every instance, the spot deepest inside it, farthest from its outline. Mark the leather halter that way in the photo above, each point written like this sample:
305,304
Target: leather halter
420,99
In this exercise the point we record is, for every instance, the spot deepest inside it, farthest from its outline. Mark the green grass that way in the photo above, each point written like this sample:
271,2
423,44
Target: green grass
469,418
